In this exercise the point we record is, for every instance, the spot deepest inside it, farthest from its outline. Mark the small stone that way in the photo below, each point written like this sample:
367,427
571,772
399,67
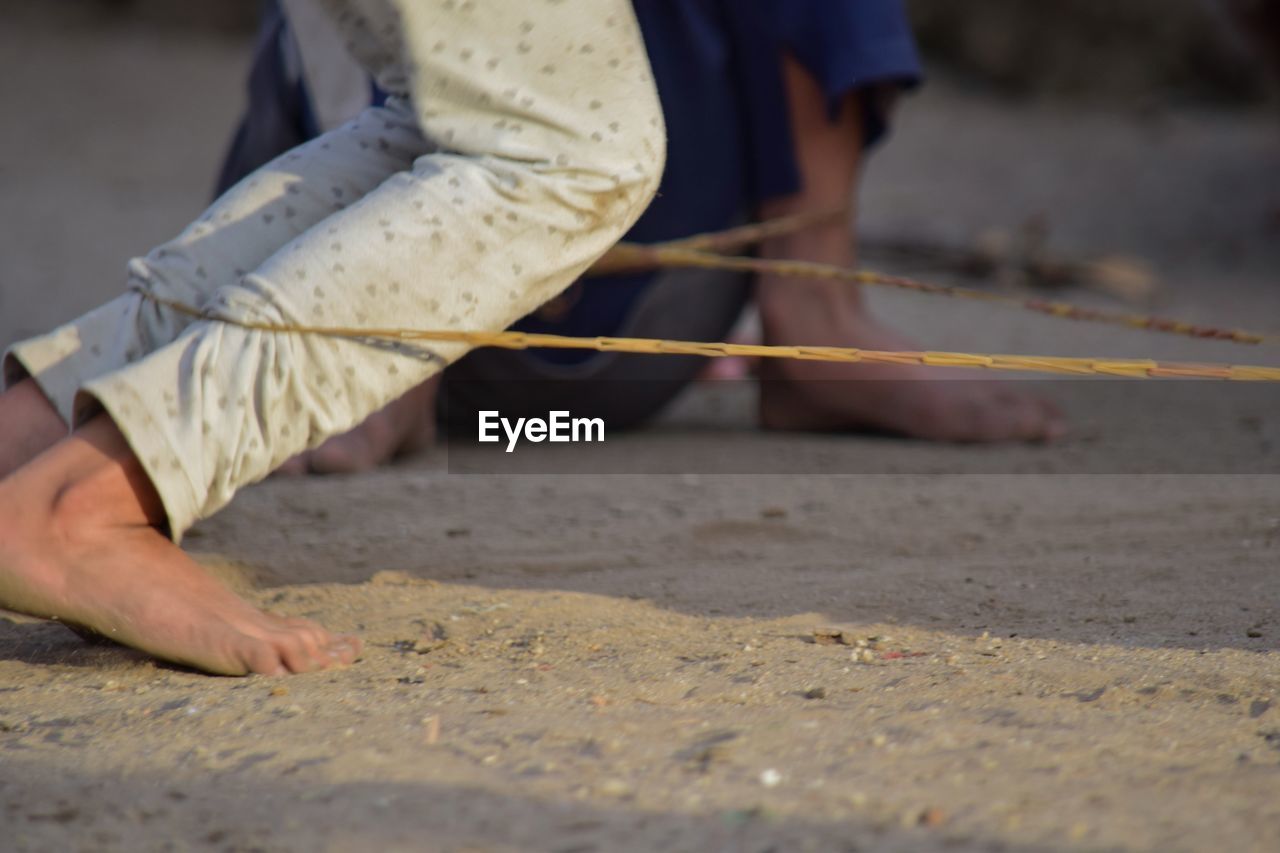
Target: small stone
771,778
773,512
292,711
280,691
816,693
615,788
932,817
431,730
1253,633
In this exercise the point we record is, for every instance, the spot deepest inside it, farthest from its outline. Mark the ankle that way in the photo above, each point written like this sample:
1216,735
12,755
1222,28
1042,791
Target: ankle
84,510
811,312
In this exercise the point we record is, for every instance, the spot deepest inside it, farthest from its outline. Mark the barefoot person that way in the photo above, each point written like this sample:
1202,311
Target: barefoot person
515,146
771,109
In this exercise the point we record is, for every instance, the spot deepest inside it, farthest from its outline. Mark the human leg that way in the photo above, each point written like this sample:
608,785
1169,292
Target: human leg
404,426
531,193
68,552
79,543
238,232
547,165
408,422
29,425
910,401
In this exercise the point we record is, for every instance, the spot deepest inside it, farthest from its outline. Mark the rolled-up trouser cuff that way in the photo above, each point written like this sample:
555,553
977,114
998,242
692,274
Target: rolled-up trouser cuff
61,361
160,460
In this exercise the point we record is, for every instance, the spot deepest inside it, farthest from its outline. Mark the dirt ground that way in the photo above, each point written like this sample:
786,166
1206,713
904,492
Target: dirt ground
1028,658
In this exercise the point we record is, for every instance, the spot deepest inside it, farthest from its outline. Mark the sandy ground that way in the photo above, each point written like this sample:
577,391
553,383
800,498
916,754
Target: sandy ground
1032,658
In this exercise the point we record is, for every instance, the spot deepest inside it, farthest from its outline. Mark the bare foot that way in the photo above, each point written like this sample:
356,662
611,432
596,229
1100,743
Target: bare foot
78,545
935,404
406,426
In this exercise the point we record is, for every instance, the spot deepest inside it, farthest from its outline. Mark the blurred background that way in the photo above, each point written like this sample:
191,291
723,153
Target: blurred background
1122,154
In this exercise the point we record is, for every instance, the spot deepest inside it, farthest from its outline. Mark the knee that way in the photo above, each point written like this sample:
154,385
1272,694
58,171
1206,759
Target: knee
645,149
637,156
612,182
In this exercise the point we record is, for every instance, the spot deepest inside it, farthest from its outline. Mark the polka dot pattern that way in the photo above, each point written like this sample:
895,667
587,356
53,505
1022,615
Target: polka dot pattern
522,139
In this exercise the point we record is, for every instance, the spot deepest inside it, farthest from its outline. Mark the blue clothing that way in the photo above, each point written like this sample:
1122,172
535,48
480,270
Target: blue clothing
719,75
717,64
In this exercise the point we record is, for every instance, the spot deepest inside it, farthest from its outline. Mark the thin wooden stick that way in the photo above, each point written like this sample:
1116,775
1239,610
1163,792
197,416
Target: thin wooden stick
633,258
1129,368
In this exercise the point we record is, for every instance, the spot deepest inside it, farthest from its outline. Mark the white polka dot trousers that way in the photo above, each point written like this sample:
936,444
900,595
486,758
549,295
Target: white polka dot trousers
525,137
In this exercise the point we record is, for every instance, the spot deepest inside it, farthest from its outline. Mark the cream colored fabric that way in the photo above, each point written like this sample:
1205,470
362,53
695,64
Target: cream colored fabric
523,139
337,87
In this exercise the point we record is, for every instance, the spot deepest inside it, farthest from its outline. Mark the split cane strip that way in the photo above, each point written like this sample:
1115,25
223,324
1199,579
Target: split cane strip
634,257
1128,368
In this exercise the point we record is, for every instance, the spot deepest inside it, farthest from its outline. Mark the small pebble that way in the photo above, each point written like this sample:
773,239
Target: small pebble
932,817
431,730
829,637
615,788
815,693
771,778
